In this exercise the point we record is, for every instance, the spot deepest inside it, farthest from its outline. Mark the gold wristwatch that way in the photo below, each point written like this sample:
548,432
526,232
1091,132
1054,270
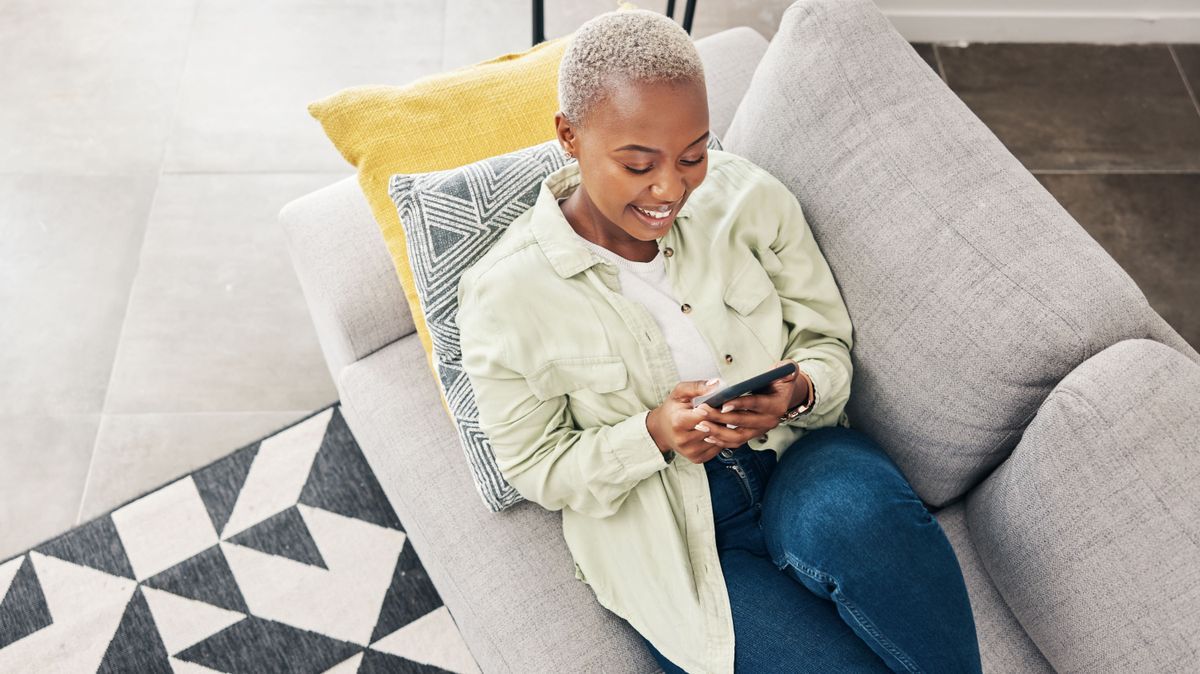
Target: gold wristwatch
803,409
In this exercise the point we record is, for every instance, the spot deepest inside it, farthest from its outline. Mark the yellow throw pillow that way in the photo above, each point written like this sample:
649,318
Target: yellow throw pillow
439,122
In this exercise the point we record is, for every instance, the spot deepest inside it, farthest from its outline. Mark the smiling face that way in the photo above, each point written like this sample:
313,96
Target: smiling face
645,146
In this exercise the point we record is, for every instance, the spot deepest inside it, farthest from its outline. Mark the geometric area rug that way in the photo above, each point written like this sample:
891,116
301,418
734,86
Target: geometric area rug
284,556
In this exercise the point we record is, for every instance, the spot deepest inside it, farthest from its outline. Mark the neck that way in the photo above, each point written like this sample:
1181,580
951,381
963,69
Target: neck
574,208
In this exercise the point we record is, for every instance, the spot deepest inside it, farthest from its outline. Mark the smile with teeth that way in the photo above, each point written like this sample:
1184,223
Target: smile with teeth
655,215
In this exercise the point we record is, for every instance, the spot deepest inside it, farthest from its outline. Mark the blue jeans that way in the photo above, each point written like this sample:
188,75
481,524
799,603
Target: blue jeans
833,564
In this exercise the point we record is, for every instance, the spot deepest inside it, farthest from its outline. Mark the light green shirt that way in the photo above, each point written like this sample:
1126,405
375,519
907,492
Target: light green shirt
565,370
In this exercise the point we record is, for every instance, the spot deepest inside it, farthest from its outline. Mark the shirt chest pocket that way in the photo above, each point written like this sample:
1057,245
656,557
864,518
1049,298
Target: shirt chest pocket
597,374
752,296
748,287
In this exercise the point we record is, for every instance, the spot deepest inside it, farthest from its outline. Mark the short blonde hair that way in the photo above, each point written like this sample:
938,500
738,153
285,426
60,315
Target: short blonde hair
622,46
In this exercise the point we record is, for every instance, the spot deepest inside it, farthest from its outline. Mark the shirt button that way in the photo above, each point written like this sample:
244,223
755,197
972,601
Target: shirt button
668,251
686,308
728,358
727,452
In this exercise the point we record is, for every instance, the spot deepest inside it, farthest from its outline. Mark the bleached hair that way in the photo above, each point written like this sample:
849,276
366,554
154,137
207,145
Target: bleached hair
618,47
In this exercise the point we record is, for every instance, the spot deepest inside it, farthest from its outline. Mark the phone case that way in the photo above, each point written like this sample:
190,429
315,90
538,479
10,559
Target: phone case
754,384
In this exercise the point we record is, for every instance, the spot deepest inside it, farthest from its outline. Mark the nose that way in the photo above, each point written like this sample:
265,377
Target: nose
670,187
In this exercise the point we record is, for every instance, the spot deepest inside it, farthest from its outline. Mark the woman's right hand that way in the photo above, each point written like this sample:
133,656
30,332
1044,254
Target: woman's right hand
673,423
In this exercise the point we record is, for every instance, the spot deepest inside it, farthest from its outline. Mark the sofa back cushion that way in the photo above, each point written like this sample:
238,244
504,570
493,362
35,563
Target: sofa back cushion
972,291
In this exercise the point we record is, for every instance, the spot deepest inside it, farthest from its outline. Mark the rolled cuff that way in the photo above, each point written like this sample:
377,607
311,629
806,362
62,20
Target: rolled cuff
634,449
821,378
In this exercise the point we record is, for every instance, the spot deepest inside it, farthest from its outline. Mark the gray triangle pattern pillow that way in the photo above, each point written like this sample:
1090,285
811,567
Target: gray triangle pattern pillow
450,219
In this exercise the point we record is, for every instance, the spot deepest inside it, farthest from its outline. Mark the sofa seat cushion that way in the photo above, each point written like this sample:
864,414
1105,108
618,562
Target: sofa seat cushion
507,578
1004,645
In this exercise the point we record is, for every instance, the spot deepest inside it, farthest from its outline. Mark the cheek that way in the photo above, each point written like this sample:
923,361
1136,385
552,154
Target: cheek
616,194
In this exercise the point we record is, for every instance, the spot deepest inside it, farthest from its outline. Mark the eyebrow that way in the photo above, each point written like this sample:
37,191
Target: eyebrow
643,148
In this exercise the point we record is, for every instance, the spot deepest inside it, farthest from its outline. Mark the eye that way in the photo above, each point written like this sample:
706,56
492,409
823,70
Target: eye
647,169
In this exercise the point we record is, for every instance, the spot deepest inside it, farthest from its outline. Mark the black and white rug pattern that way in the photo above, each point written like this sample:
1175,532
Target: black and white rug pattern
284,556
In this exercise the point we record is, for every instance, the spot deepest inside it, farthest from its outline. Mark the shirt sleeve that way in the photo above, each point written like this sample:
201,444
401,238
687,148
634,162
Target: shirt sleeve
818,323
537,446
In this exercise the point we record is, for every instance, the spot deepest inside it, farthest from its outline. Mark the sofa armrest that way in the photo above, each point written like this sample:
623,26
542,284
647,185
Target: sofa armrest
1090,530
1160,330
352,289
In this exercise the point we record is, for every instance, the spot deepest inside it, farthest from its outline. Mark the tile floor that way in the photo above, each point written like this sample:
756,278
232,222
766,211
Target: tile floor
152,321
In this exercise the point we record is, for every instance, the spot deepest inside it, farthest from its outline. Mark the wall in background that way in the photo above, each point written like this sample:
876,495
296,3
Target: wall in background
1102,21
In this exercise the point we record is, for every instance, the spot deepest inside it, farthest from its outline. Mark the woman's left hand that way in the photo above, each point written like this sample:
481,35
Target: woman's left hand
754,414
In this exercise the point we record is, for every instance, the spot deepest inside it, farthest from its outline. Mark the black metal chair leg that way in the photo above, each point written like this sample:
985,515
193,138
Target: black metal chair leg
539,17
539,21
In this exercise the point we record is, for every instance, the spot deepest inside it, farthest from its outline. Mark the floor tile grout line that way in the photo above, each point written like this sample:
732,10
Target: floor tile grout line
162,157
1183,76
295,416
211,412
347,170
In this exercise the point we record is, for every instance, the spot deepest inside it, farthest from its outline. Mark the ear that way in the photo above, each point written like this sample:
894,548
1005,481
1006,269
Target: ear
566,135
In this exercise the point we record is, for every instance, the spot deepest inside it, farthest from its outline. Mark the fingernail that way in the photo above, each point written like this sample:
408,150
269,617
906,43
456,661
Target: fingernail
709,440
712,381
702,427
726,408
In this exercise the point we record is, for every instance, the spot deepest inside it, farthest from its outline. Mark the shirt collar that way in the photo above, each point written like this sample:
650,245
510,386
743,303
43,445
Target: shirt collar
567,253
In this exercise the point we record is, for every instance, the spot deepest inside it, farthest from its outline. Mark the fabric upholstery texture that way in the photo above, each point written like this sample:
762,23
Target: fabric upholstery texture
1003,644
329,233
450,219
972,291
1093,524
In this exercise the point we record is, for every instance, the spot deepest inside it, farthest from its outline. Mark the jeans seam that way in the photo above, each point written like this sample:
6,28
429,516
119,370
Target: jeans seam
823,577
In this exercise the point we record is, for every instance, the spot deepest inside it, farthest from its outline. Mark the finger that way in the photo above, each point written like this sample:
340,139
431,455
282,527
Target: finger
742,419
722,437
686,390
688,416
746,402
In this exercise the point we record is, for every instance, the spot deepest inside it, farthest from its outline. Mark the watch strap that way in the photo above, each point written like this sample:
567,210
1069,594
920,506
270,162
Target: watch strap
804,408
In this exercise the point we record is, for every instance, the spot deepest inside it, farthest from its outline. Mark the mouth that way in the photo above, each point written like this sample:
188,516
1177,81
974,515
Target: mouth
654,219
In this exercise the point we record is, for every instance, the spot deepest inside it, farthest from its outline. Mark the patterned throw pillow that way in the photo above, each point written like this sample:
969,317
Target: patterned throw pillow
450,219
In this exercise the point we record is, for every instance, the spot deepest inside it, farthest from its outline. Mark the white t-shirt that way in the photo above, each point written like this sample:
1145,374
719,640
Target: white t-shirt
647,284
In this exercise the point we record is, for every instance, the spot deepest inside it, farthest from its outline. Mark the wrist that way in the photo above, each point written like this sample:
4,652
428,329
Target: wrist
652,428
801,389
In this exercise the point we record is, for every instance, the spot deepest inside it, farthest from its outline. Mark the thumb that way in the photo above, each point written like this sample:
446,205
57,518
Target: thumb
686,390
792,375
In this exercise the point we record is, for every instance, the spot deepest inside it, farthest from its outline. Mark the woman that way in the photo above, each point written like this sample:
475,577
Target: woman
649,270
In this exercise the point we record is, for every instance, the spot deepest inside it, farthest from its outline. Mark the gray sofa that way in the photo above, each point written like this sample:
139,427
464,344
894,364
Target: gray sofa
1044,412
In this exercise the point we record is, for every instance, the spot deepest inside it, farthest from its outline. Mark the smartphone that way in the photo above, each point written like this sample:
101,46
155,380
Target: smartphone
756,384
